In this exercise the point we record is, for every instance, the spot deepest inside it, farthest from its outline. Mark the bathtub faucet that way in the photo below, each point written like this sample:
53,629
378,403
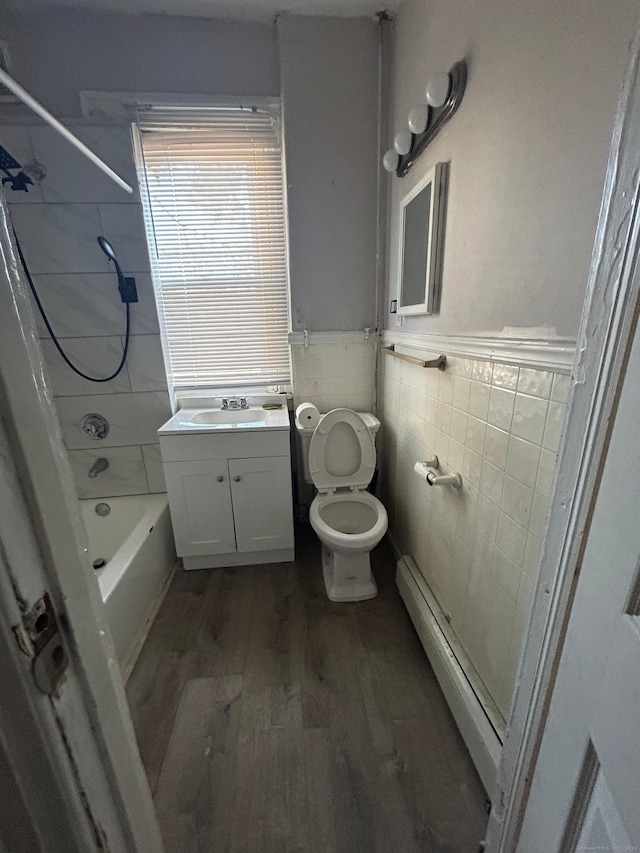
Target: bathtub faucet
98,467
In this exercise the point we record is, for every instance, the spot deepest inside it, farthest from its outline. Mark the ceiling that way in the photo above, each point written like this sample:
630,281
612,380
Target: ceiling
246,10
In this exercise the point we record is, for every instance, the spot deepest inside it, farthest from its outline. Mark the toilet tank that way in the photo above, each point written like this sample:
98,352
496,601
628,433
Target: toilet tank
373,425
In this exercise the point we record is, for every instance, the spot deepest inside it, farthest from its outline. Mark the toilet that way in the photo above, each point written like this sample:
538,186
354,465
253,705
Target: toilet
348,520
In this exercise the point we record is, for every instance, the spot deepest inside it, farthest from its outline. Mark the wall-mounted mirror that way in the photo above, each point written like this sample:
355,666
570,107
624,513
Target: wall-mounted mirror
421,243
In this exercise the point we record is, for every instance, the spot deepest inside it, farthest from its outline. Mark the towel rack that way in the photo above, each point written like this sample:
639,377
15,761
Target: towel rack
439,362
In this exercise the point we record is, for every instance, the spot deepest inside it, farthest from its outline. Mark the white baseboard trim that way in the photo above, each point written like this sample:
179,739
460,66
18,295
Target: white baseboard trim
479,734
556,356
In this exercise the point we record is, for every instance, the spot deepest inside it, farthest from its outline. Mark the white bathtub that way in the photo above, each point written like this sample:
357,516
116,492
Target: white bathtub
136,540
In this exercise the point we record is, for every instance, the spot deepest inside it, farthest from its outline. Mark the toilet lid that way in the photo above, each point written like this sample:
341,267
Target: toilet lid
342,452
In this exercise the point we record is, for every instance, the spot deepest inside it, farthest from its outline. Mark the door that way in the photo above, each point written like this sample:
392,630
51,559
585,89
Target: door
586,783
70,752
200,502
262,511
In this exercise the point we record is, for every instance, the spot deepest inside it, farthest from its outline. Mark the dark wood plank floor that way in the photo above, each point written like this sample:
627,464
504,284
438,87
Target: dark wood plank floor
271,719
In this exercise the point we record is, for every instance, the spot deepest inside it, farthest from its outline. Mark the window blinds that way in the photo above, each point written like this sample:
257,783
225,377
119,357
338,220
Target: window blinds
215,218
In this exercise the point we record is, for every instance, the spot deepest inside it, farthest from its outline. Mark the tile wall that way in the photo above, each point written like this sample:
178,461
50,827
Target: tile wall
499,426
332,375
57,223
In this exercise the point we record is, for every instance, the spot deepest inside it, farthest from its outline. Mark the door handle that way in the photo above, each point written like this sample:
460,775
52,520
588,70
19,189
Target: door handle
237,478
220,478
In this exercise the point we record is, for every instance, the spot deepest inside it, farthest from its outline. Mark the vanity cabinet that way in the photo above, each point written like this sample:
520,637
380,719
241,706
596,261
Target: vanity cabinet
200,502
230,498
261,499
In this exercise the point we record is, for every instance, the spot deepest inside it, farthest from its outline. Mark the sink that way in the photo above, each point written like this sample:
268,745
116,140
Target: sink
207,417
229,416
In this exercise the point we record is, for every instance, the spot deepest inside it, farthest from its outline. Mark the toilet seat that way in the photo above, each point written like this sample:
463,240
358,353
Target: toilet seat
345,542
342,452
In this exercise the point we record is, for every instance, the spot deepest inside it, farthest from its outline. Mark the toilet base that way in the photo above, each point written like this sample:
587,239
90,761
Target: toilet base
346,577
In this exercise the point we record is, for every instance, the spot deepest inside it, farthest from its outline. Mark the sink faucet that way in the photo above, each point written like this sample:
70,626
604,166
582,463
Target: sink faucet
232,403
98,467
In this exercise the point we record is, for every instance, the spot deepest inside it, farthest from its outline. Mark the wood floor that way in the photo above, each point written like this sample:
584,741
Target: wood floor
271,719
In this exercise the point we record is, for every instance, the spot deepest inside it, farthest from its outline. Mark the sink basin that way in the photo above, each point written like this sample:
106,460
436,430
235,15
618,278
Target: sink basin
229,416
207,417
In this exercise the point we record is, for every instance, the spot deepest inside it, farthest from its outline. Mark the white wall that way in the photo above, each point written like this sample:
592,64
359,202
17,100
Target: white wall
329,73
528,150
58,52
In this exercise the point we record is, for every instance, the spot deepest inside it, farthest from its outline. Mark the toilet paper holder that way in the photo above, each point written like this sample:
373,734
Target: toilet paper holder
428,468
454,479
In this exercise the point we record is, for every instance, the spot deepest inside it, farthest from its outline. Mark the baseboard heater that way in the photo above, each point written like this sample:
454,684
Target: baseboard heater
473,712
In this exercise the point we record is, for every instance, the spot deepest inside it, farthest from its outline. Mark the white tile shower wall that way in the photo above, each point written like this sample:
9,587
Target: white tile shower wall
332,375
57,224
133,419
499,426
126,471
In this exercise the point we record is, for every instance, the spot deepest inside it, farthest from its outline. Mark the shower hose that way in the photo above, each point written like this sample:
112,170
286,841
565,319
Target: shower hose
55,339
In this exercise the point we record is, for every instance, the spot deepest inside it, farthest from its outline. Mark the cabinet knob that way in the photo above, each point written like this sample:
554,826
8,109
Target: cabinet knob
237,478
220,479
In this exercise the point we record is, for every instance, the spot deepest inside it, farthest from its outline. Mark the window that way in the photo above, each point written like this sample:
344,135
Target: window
213,199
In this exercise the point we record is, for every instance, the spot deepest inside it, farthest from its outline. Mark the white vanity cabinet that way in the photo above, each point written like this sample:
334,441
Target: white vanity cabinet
261,499
230,497
201,511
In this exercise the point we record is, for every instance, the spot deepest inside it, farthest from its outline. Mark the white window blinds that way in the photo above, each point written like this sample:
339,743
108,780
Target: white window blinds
214,208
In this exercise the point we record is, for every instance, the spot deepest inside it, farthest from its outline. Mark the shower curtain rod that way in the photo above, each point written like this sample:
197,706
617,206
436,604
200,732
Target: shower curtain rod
31,102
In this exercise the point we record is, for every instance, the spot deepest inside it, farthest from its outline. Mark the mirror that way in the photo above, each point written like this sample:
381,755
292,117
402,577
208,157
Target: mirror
421,236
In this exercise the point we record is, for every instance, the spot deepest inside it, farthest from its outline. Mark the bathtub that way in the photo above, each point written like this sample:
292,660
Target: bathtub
136,540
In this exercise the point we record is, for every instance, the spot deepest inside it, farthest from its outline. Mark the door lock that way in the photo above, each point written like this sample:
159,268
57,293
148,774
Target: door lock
50,659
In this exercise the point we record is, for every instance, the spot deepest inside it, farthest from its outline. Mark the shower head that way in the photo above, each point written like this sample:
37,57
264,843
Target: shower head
126,286
110,252
108,249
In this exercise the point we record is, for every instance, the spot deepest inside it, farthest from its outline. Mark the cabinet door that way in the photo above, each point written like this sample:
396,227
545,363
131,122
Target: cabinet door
262,510
200,503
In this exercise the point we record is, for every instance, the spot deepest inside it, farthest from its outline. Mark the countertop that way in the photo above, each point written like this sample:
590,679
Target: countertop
181,423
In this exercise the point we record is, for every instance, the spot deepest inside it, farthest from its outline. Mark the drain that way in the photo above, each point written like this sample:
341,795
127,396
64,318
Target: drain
102,509
99,563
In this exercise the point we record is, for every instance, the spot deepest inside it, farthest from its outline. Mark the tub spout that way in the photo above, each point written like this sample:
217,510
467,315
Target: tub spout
98,467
